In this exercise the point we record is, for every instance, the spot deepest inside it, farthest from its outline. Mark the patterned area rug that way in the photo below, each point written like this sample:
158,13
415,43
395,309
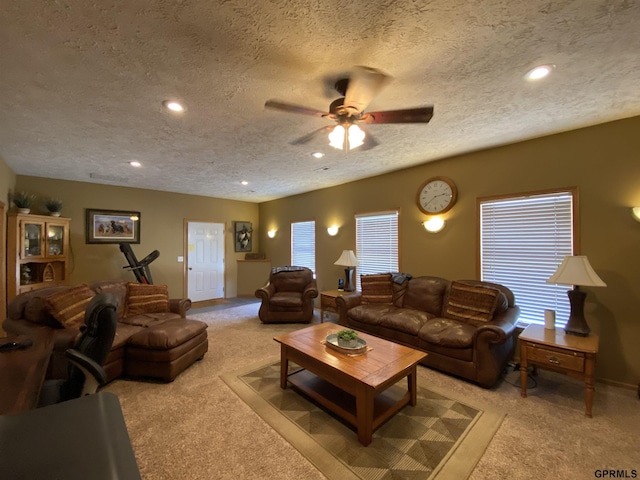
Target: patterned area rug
440,438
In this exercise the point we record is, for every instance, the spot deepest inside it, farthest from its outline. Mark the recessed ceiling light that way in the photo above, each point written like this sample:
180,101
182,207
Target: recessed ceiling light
539,72
173,106
244,182
135,163
317,154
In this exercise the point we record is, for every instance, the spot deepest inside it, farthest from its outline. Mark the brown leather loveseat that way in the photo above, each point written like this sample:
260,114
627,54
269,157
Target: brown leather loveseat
154,339
467,327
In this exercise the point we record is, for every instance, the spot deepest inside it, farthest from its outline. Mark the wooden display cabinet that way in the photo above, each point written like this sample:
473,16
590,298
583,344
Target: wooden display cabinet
37,252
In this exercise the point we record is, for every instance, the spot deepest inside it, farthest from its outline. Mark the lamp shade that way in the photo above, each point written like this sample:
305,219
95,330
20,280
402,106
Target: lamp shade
347,259
576,270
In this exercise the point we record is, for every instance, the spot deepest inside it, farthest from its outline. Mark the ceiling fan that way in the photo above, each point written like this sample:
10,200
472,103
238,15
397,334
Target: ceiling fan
357,92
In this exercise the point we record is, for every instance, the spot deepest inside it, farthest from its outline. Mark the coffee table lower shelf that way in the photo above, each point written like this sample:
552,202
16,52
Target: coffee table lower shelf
385,405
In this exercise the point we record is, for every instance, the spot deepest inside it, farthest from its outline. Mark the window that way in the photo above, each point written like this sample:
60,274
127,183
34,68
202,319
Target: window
303,245
523,239
376,243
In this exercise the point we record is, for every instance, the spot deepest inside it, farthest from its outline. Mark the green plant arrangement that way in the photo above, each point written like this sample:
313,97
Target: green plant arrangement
53,205
347,338
23,200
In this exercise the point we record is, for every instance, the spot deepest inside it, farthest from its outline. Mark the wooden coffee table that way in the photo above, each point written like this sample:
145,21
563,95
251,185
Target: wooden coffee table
356,388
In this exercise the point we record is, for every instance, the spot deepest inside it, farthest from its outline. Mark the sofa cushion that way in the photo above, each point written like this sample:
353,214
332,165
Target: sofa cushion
142,298
68,305
117,289
369,314
36,311
30,306
447,332
405,320
168,335
426,293
142,320
376,288
286,299
471,303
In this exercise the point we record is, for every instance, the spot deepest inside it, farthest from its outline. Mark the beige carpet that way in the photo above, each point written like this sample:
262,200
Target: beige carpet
197,428
440,438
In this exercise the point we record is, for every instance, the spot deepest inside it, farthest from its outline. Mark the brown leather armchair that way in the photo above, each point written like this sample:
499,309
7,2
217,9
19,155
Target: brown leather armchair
288,295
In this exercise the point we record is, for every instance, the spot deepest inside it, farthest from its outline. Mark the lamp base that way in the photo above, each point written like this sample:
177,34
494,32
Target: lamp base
577,325
348,283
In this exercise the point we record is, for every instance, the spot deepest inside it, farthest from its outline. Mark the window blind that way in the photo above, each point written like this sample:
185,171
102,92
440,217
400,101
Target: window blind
376,243
522,242
303,245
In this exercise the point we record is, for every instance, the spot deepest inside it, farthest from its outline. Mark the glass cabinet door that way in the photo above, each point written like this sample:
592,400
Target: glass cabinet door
32,246
55,240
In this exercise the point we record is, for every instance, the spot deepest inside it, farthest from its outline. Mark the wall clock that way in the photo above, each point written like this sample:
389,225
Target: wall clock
436,195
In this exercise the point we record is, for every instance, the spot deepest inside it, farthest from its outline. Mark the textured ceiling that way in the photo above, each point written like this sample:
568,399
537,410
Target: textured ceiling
82,84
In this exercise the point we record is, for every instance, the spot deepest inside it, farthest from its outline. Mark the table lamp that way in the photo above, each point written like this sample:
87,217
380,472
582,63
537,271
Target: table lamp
349,260
576,270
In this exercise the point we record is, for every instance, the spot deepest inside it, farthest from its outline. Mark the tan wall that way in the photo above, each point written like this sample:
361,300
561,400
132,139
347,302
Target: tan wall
162,227
602,161
7,184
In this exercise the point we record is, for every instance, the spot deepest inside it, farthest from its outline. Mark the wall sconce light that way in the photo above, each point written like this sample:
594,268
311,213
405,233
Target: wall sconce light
434,224
271,233
635,212
333,230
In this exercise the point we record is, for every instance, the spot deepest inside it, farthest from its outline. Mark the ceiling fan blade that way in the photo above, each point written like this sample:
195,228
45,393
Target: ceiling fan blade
312,135
287,107
411,115
364,84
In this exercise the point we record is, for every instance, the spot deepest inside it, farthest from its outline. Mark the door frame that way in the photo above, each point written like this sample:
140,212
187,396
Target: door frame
185,256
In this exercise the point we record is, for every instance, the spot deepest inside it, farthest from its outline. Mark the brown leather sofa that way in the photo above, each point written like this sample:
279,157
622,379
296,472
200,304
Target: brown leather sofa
467,327
157,345
288,295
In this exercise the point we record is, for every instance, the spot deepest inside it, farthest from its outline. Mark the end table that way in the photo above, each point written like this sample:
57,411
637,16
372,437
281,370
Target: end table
554,350
328,301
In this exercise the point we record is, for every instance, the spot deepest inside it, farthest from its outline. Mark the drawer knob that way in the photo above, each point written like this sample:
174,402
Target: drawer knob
553,359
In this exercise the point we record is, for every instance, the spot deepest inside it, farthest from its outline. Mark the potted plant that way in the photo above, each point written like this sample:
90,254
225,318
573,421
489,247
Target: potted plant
23,201
347,338
53,206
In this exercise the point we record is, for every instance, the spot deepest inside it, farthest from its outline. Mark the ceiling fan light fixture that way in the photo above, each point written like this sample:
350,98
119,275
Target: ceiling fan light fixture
354,137
336,137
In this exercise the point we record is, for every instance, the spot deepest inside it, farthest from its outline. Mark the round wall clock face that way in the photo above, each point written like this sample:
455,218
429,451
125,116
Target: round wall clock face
436,195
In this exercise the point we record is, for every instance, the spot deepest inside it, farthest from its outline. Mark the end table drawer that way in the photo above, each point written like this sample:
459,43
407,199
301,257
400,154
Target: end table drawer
548,356
329,301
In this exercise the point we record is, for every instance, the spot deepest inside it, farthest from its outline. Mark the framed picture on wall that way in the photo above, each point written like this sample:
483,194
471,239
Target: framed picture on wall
243,233
112,226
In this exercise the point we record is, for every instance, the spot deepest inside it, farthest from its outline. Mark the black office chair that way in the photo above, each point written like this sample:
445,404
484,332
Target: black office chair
85,372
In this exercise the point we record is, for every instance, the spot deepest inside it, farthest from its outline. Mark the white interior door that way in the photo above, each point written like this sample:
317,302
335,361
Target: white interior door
205,261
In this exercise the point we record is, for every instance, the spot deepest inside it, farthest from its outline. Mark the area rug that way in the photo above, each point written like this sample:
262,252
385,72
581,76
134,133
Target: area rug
440,438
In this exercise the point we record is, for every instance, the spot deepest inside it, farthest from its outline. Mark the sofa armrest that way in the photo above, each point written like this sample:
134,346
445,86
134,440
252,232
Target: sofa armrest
180,306
266,292
345,302
498,330
311,290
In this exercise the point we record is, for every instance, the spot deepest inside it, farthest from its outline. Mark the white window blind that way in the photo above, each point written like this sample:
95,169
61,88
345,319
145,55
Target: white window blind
376,243
522,242
303,245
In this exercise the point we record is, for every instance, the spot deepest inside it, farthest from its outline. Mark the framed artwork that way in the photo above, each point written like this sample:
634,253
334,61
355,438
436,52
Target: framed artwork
112,226
243,233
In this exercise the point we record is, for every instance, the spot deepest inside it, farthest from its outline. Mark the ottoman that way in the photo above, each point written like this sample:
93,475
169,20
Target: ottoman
164,350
